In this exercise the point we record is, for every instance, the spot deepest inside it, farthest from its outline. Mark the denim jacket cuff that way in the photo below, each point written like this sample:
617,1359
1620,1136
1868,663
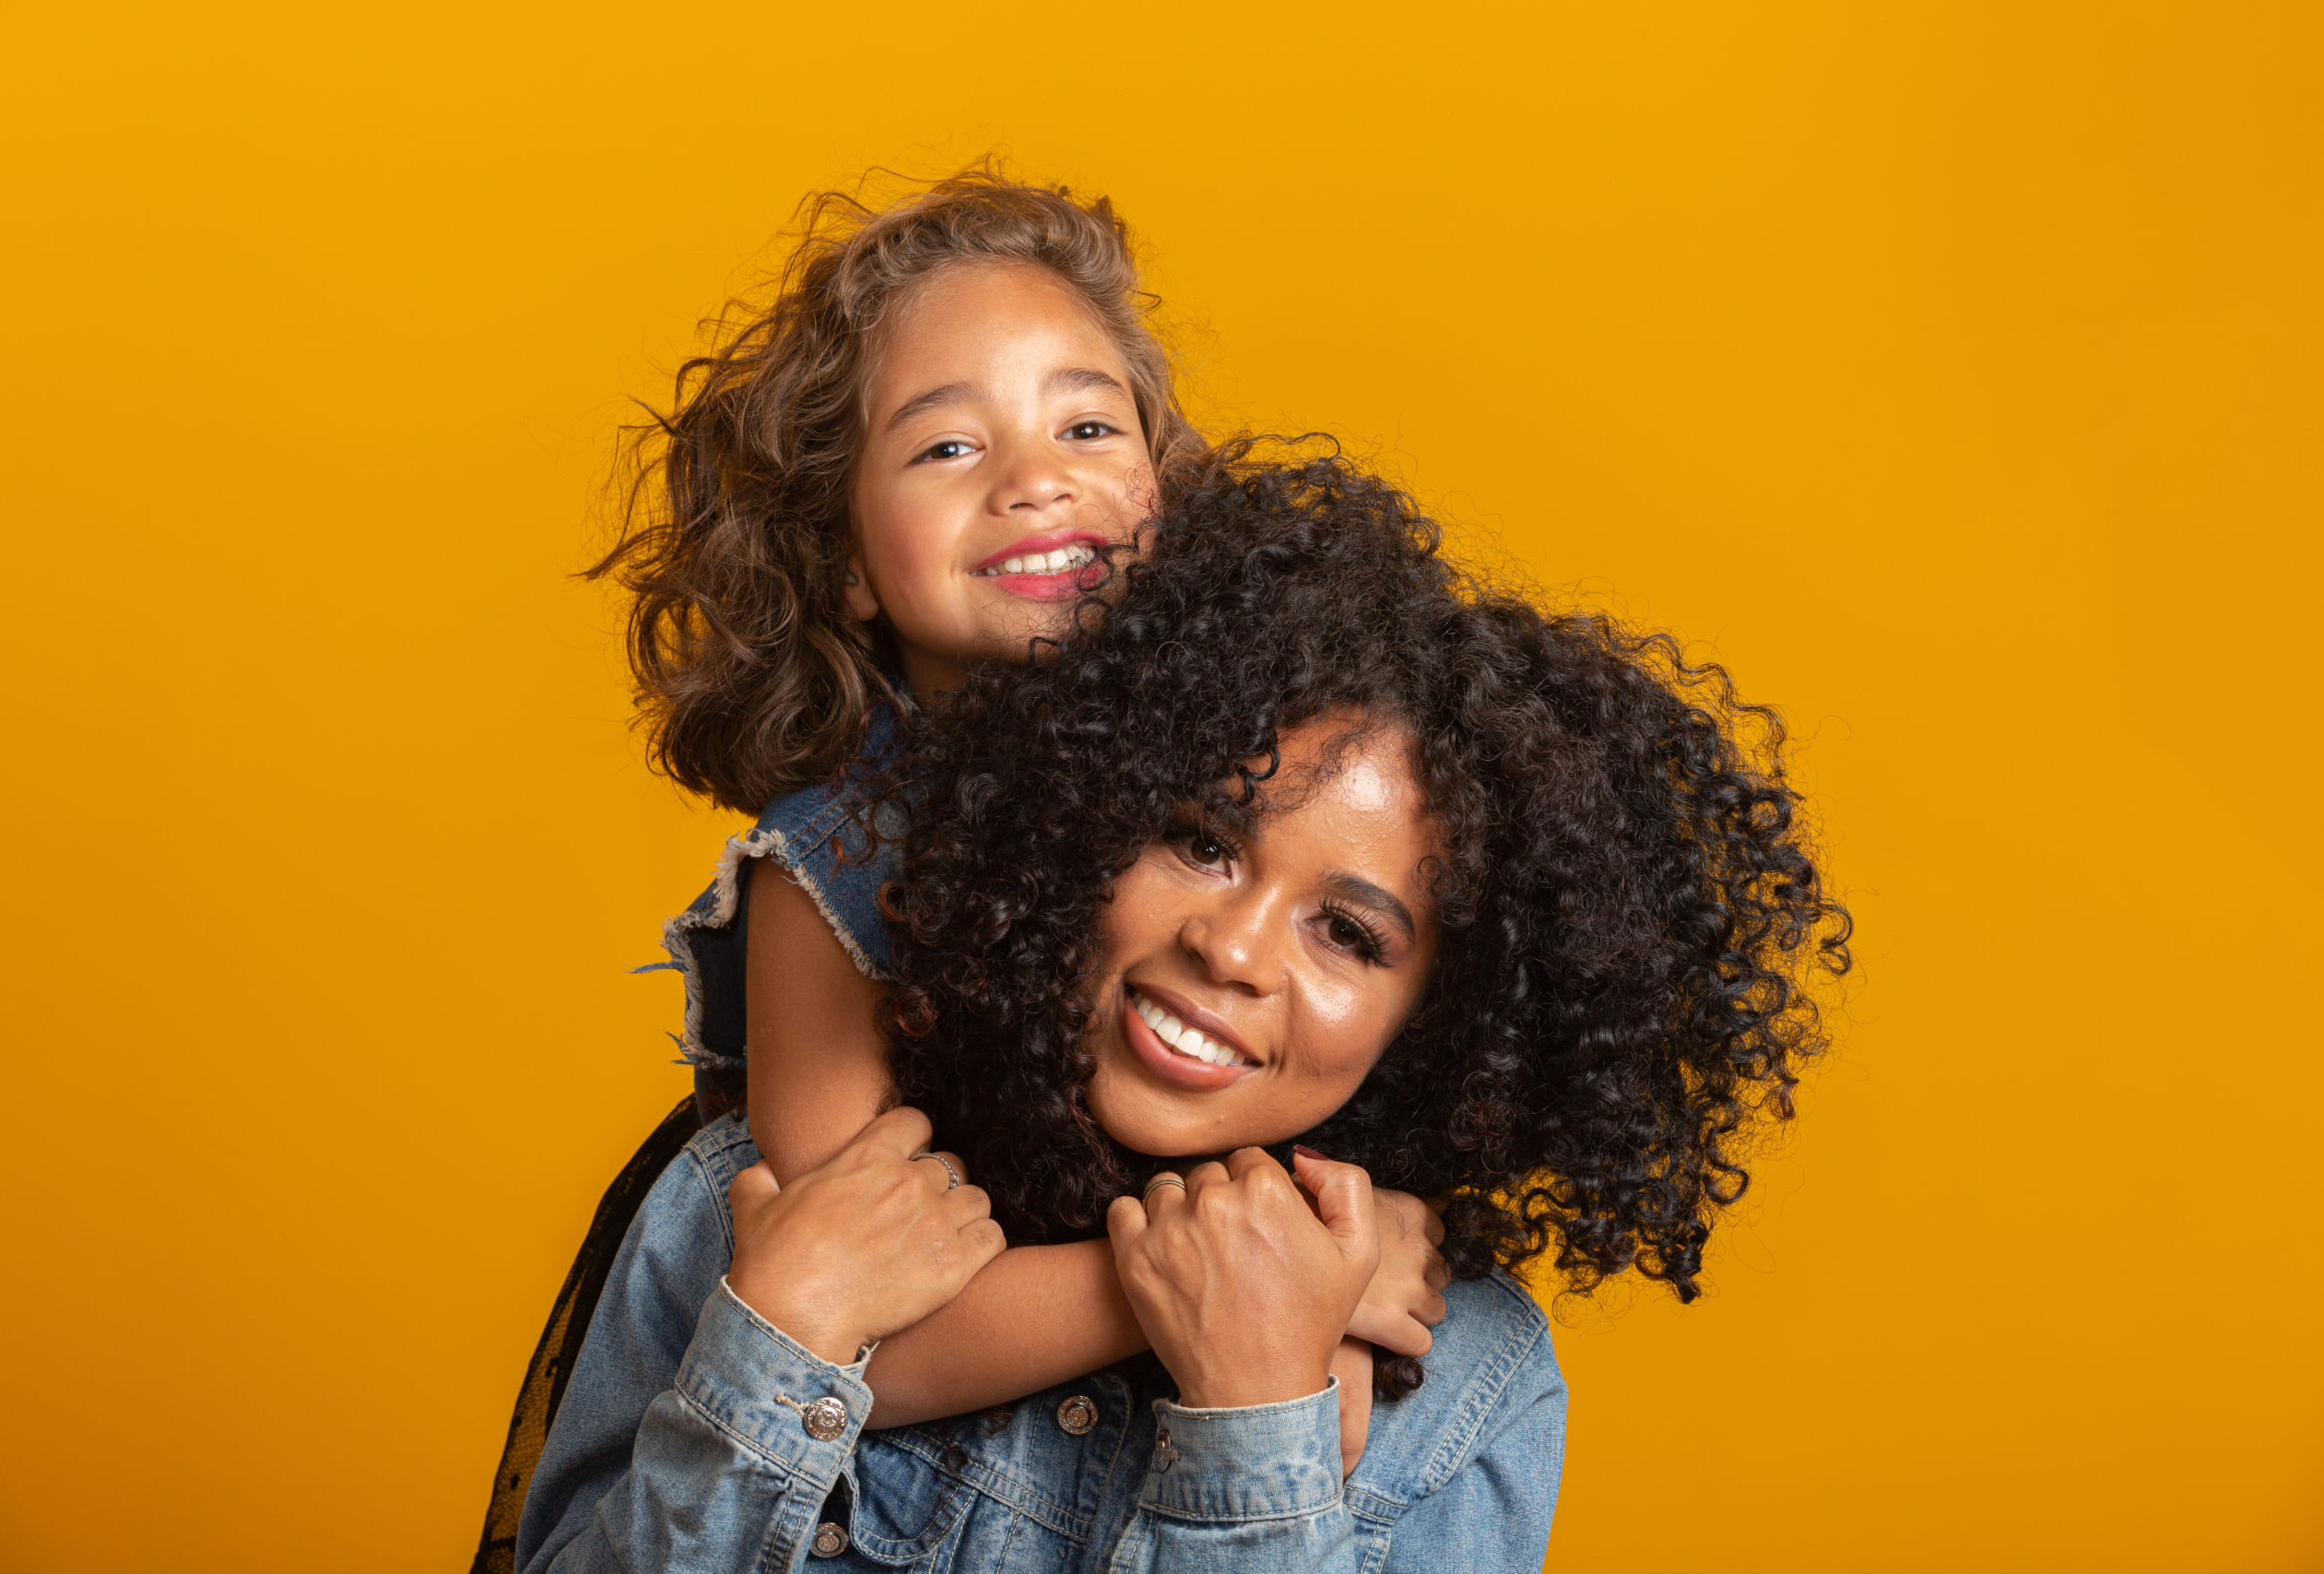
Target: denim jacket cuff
1259,1462
773,1395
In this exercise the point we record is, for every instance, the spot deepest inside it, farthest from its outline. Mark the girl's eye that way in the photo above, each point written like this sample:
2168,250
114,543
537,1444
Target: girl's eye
1208,851
1087,431
951,448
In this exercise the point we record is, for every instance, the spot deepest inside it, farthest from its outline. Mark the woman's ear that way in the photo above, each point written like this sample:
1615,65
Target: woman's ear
862,605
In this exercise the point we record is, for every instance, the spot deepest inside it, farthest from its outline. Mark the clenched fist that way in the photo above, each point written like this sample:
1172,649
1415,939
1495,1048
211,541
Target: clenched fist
1243,1289
870,1243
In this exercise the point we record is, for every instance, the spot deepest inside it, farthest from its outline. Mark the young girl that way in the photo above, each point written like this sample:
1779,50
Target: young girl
914,462
1306,839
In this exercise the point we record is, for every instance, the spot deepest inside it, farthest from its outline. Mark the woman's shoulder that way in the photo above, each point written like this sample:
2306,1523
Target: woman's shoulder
722,1149
1491,1375
686,1204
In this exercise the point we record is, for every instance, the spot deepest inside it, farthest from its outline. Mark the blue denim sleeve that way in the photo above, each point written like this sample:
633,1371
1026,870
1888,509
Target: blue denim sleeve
684,1440
1467,1481
1255,1489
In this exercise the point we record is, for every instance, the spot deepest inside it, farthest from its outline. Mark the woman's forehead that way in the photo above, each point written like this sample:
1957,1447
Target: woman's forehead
1346,798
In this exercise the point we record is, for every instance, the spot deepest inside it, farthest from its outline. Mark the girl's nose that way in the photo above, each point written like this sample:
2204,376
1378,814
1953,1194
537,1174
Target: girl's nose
1030,479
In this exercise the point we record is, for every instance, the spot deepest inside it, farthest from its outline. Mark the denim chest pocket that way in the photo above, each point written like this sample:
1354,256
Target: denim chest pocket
1021,1487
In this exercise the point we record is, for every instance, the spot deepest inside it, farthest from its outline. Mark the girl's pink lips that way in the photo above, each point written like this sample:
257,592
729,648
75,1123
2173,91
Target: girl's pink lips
1031,544
1046,587
1199,1076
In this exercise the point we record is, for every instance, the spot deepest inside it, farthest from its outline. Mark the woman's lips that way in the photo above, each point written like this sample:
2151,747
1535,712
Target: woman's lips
1183,1070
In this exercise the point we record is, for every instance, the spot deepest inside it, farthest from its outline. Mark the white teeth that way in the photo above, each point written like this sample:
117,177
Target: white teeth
1063,559
1187,1041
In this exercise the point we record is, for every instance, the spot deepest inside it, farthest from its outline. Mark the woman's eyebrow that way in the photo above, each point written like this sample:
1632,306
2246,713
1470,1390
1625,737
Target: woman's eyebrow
1355,888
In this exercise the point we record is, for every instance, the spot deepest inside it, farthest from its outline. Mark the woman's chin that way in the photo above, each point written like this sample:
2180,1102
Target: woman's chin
1145,1120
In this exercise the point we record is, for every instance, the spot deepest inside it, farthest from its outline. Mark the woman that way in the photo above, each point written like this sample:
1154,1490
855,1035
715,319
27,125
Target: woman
1303,838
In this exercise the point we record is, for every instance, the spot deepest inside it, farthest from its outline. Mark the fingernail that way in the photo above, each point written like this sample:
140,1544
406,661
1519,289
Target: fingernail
1303,1148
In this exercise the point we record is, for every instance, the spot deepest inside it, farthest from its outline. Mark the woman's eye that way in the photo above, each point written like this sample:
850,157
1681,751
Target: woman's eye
1206,850
1352,937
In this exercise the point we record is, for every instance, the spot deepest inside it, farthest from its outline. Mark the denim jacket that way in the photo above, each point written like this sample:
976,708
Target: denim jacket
694,1435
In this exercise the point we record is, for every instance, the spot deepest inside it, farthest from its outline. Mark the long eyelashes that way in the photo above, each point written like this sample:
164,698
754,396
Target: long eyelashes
1368,944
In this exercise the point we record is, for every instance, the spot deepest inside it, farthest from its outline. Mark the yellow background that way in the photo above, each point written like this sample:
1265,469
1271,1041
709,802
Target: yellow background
1951,371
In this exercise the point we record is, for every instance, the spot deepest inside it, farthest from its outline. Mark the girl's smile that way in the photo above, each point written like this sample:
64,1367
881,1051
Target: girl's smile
1043,568
1253,983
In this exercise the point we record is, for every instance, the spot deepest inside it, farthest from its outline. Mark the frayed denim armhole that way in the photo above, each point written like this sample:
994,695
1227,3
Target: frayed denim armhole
816,837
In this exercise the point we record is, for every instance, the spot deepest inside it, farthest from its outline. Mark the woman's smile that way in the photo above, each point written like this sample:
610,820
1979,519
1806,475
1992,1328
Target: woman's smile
1174,1049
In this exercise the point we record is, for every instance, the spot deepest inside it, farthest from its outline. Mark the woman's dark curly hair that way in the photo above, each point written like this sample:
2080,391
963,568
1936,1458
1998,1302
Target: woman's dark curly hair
1627,902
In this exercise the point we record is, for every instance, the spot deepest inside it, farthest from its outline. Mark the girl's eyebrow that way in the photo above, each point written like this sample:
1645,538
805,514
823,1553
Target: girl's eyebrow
1082,379
1066,380
920,404
1355,888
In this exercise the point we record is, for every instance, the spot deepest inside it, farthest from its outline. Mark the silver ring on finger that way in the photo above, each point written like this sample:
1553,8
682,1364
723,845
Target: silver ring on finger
953,1177
1164,1178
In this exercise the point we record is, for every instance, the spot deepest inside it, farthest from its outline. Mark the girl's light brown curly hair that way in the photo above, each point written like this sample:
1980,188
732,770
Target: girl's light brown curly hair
752,677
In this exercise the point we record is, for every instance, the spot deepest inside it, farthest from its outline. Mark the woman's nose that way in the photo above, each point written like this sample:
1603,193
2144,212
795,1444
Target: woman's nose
1231,938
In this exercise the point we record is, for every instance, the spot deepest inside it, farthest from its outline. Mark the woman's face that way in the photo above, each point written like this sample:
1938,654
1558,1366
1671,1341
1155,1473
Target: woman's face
1001,446
1251,985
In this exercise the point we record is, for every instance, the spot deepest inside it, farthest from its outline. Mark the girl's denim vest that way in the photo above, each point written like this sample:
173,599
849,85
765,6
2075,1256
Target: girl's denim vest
823,837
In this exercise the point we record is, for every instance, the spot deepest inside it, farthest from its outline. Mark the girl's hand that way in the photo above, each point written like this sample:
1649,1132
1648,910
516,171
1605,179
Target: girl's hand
870,1242
1406,1297
1243,1290
1352,1364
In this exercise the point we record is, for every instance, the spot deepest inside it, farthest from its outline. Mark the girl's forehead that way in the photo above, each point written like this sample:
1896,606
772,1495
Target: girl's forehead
963,305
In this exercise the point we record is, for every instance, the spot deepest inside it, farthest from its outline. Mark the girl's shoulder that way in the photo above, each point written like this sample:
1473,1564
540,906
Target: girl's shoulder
822,835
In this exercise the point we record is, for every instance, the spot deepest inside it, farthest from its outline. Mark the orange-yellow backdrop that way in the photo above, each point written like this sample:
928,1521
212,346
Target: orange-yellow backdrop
1952,370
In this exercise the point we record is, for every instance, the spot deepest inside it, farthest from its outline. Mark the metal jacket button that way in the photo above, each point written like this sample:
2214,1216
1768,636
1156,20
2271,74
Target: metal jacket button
830,1540
824,1418
1076,1415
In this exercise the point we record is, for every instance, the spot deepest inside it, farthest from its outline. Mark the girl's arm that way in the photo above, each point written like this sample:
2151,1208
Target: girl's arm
818,1064
1036,1316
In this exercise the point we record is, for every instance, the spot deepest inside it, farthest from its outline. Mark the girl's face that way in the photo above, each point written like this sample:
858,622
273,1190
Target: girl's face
1001,446
1250,986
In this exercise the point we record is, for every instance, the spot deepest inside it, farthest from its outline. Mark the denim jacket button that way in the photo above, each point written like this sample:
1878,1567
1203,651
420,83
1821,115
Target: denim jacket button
824,1419
1076,1415
830,1540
